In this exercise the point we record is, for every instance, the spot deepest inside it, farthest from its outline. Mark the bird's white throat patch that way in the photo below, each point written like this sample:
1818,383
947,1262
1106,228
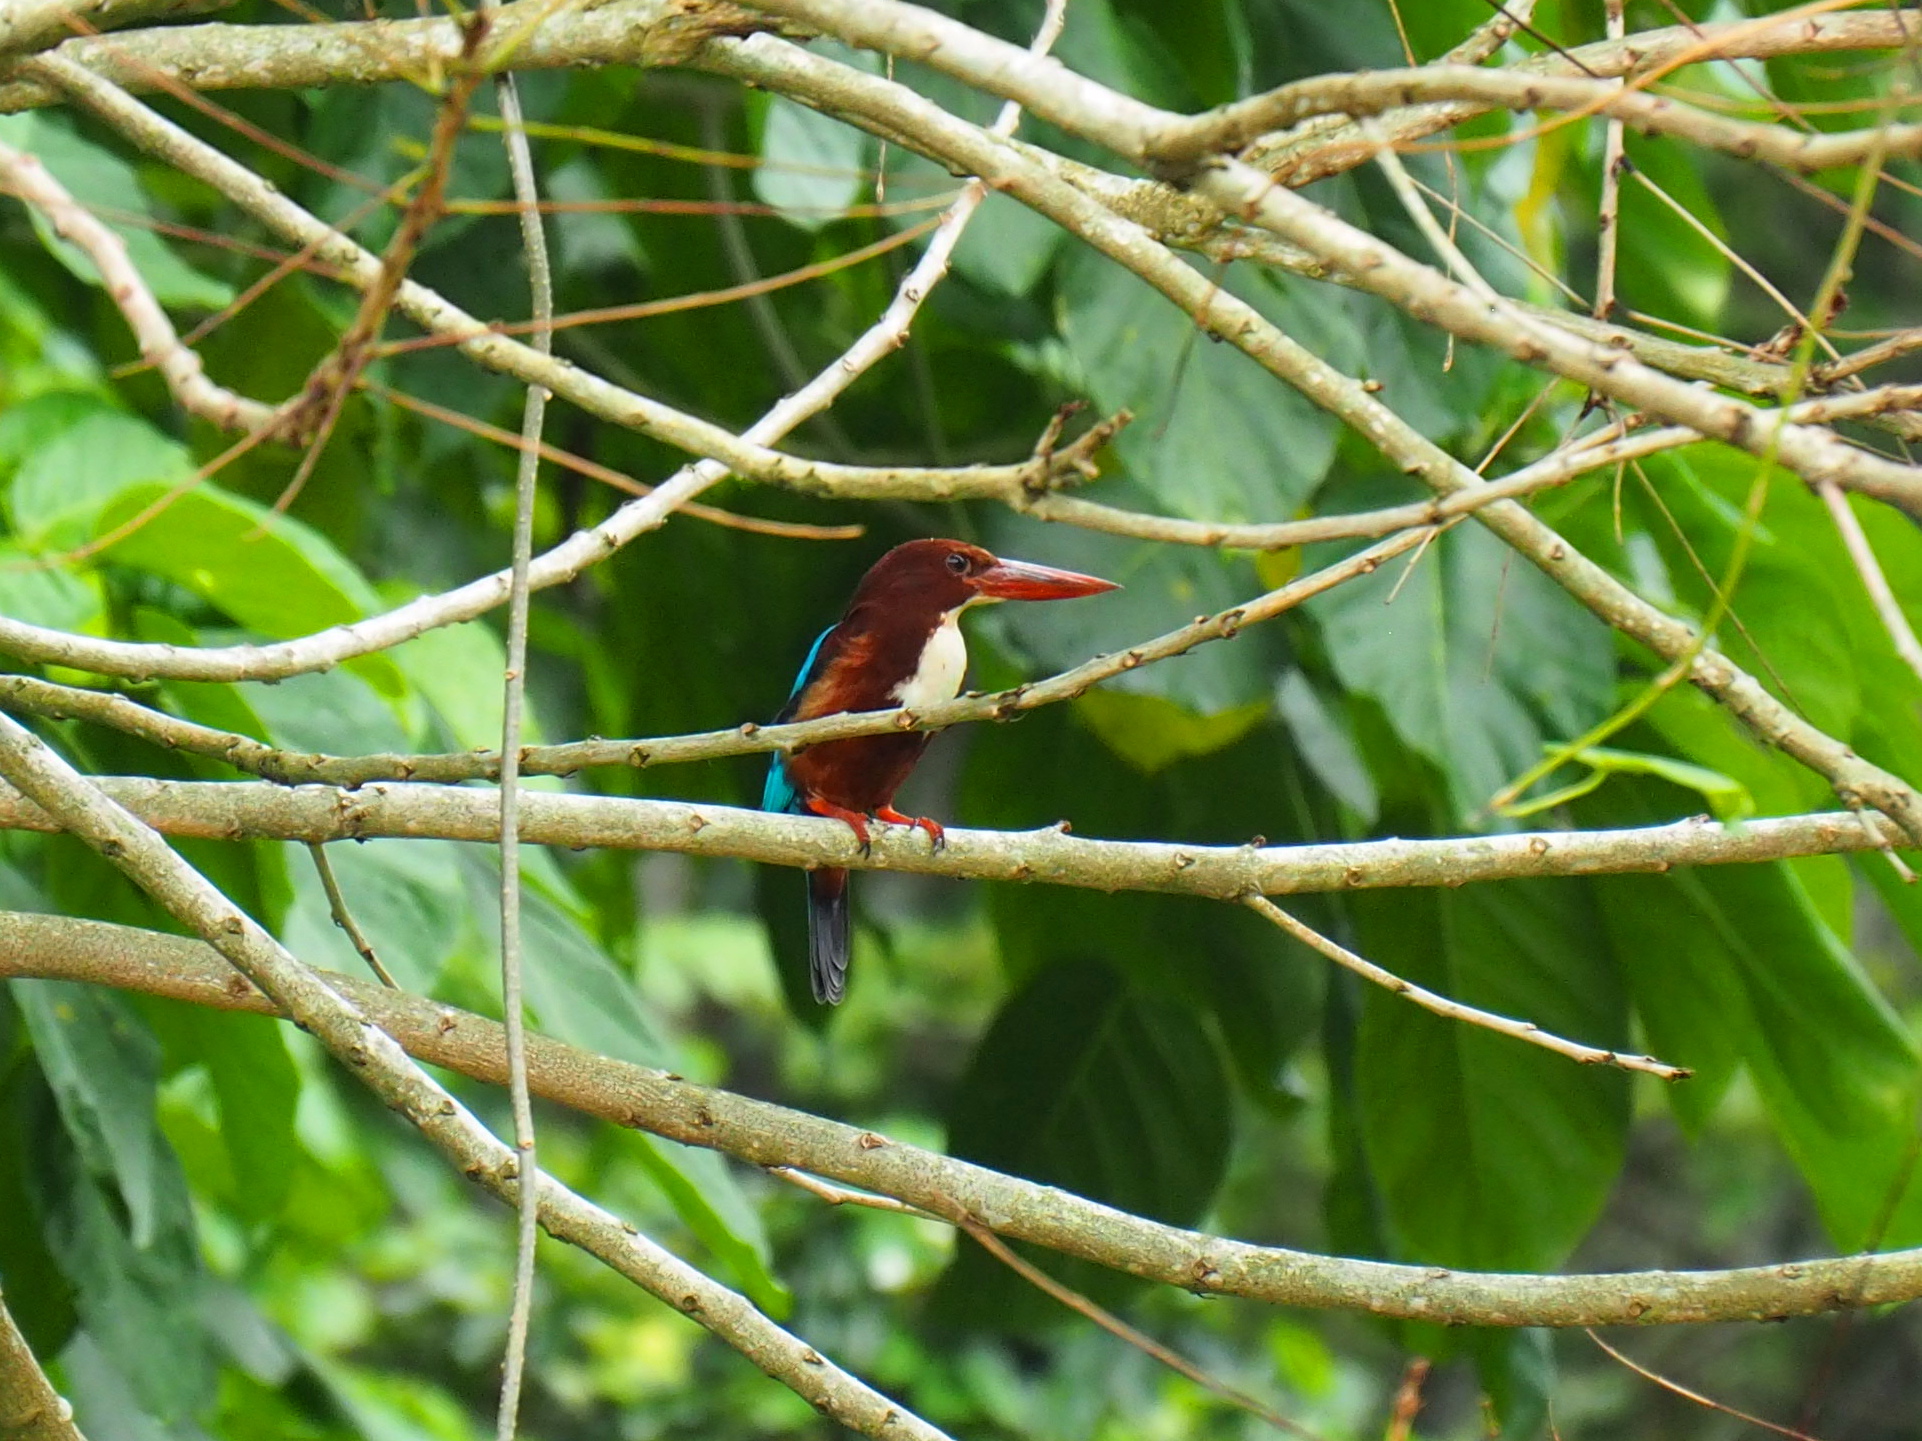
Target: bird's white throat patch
944,661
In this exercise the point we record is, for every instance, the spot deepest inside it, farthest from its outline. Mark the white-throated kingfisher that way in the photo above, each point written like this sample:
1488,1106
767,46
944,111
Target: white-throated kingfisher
898,644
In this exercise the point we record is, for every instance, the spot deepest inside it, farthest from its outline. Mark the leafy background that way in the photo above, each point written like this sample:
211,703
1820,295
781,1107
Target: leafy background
214,1236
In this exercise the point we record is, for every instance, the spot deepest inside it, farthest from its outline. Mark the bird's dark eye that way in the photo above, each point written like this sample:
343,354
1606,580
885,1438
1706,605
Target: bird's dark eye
957,562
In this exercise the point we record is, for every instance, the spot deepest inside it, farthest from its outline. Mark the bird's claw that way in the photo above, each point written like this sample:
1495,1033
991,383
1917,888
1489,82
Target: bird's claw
937,834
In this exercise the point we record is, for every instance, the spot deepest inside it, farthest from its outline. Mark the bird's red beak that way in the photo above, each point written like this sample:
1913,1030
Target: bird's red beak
1017,580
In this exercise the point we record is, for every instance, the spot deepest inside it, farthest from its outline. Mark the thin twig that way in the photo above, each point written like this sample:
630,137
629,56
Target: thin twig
1608,218
1675,1388
1894,619
513,1006
1455,1010
1116,1327
954,1215
344,918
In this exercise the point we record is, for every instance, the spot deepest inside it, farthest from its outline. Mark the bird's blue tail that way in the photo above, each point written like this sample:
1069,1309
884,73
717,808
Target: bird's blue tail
828,934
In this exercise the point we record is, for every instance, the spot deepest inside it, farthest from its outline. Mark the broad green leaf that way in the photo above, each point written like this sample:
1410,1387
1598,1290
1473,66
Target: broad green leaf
406,897
65,481
1007,246
59,598
30,424
1086,1083
271,573
1325,746
1489,1152
459,671
101,1061
1151,733
1836,1070
1478,660
255,1088
812,167
1214,437
98,177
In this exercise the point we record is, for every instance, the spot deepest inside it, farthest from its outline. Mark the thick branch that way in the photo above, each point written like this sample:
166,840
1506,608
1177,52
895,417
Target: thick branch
253,810
30,1409
1364,93
35,24
769,1135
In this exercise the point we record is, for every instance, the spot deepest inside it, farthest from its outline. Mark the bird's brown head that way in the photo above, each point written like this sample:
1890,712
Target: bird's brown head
937,576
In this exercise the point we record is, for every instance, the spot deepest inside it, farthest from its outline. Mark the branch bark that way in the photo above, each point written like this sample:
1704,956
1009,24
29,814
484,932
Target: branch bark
252,810
763,1134
30,1409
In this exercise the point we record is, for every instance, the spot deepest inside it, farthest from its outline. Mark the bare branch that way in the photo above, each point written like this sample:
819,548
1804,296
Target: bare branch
767,1135
30,1409
23,175
27,25
1455,1010
251,810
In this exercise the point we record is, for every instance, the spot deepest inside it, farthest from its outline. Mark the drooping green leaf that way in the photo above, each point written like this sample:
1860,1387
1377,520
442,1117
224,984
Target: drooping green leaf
1478,660
271,573
1214,436
1086,1083
255,1088
1489,1152
102,1061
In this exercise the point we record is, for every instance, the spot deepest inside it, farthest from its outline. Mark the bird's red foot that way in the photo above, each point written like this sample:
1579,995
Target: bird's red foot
937,836
854,820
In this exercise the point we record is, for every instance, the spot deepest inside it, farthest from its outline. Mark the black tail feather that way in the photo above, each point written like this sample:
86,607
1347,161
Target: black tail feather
828,934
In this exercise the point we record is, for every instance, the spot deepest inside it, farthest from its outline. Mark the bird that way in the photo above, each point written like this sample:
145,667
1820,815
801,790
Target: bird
899,643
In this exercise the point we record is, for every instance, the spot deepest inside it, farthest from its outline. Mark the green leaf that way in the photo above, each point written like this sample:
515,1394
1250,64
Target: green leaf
269,572
65,481
1007,246
256,1088
1086,1083
1479,659
460,670
102,1063
58,598
1214,436
813,167
1836,1070
97,177
1489,1152
1151,733
406,897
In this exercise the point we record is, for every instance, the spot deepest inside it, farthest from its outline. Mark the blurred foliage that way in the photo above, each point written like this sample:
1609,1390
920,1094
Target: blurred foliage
212,1234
